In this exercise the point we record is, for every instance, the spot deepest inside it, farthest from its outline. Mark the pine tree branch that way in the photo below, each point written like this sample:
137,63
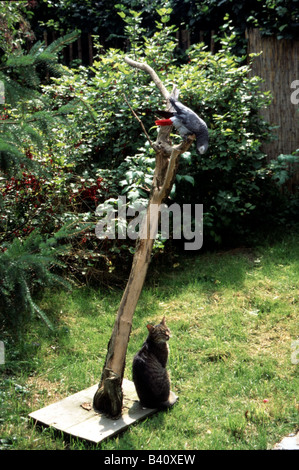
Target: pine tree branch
35,119
60,43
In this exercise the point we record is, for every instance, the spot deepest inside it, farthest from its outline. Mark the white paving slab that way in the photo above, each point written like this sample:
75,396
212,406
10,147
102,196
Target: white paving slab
69,416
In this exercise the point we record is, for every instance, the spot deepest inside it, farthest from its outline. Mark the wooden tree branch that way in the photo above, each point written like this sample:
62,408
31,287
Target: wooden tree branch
146,68
108,397
139,120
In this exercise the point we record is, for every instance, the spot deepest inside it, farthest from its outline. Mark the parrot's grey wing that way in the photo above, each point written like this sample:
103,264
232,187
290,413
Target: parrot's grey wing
188,117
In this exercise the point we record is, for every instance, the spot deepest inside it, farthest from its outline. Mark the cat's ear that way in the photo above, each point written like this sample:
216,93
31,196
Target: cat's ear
149,327
163,322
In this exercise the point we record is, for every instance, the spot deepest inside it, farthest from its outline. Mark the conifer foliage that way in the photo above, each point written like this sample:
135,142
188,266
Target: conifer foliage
26,123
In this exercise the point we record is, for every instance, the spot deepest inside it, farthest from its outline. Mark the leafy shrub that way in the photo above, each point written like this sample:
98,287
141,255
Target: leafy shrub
231,180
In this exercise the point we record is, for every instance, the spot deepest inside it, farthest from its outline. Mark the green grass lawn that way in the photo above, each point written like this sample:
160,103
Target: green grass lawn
233,317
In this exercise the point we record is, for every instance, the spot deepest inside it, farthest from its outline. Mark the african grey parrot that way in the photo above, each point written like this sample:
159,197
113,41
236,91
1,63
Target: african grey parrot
186,122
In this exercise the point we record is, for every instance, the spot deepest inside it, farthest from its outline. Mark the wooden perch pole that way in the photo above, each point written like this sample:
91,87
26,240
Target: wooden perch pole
108,397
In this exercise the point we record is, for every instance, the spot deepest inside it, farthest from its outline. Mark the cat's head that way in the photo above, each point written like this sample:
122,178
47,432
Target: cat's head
159,333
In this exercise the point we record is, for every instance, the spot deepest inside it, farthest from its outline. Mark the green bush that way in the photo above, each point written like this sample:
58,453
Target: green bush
232,179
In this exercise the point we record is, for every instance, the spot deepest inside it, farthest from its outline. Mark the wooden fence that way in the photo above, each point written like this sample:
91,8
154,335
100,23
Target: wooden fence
84,50
278,66
81,49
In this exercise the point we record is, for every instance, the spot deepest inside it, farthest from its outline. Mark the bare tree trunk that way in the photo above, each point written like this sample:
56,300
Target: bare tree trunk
108,397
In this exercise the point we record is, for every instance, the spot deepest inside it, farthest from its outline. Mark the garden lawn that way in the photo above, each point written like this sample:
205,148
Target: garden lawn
233,317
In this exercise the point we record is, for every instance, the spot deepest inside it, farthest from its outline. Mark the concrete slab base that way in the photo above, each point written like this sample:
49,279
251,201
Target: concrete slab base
75,415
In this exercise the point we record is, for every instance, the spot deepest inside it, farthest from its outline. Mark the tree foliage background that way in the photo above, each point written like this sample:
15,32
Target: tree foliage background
69,142
272,17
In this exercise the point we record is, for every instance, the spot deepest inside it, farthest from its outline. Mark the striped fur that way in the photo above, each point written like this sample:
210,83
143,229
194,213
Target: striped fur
150,376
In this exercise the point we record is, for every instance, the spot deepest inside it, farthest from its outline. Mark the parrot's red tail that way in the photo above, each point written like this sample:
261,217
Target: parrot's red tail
164,122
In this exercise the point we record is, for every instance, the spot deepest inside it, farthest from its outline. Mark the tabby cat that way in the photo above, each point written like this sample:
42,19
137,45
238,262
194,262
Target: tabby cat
150,376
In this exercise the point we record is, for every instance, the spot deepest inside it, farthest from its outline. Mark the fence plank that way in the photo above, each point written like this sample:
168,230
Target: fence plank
79,44
90,49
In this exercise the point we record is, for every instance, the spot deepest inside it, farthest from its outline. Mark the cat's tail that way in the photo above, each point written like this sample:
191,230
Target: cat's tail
172,399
